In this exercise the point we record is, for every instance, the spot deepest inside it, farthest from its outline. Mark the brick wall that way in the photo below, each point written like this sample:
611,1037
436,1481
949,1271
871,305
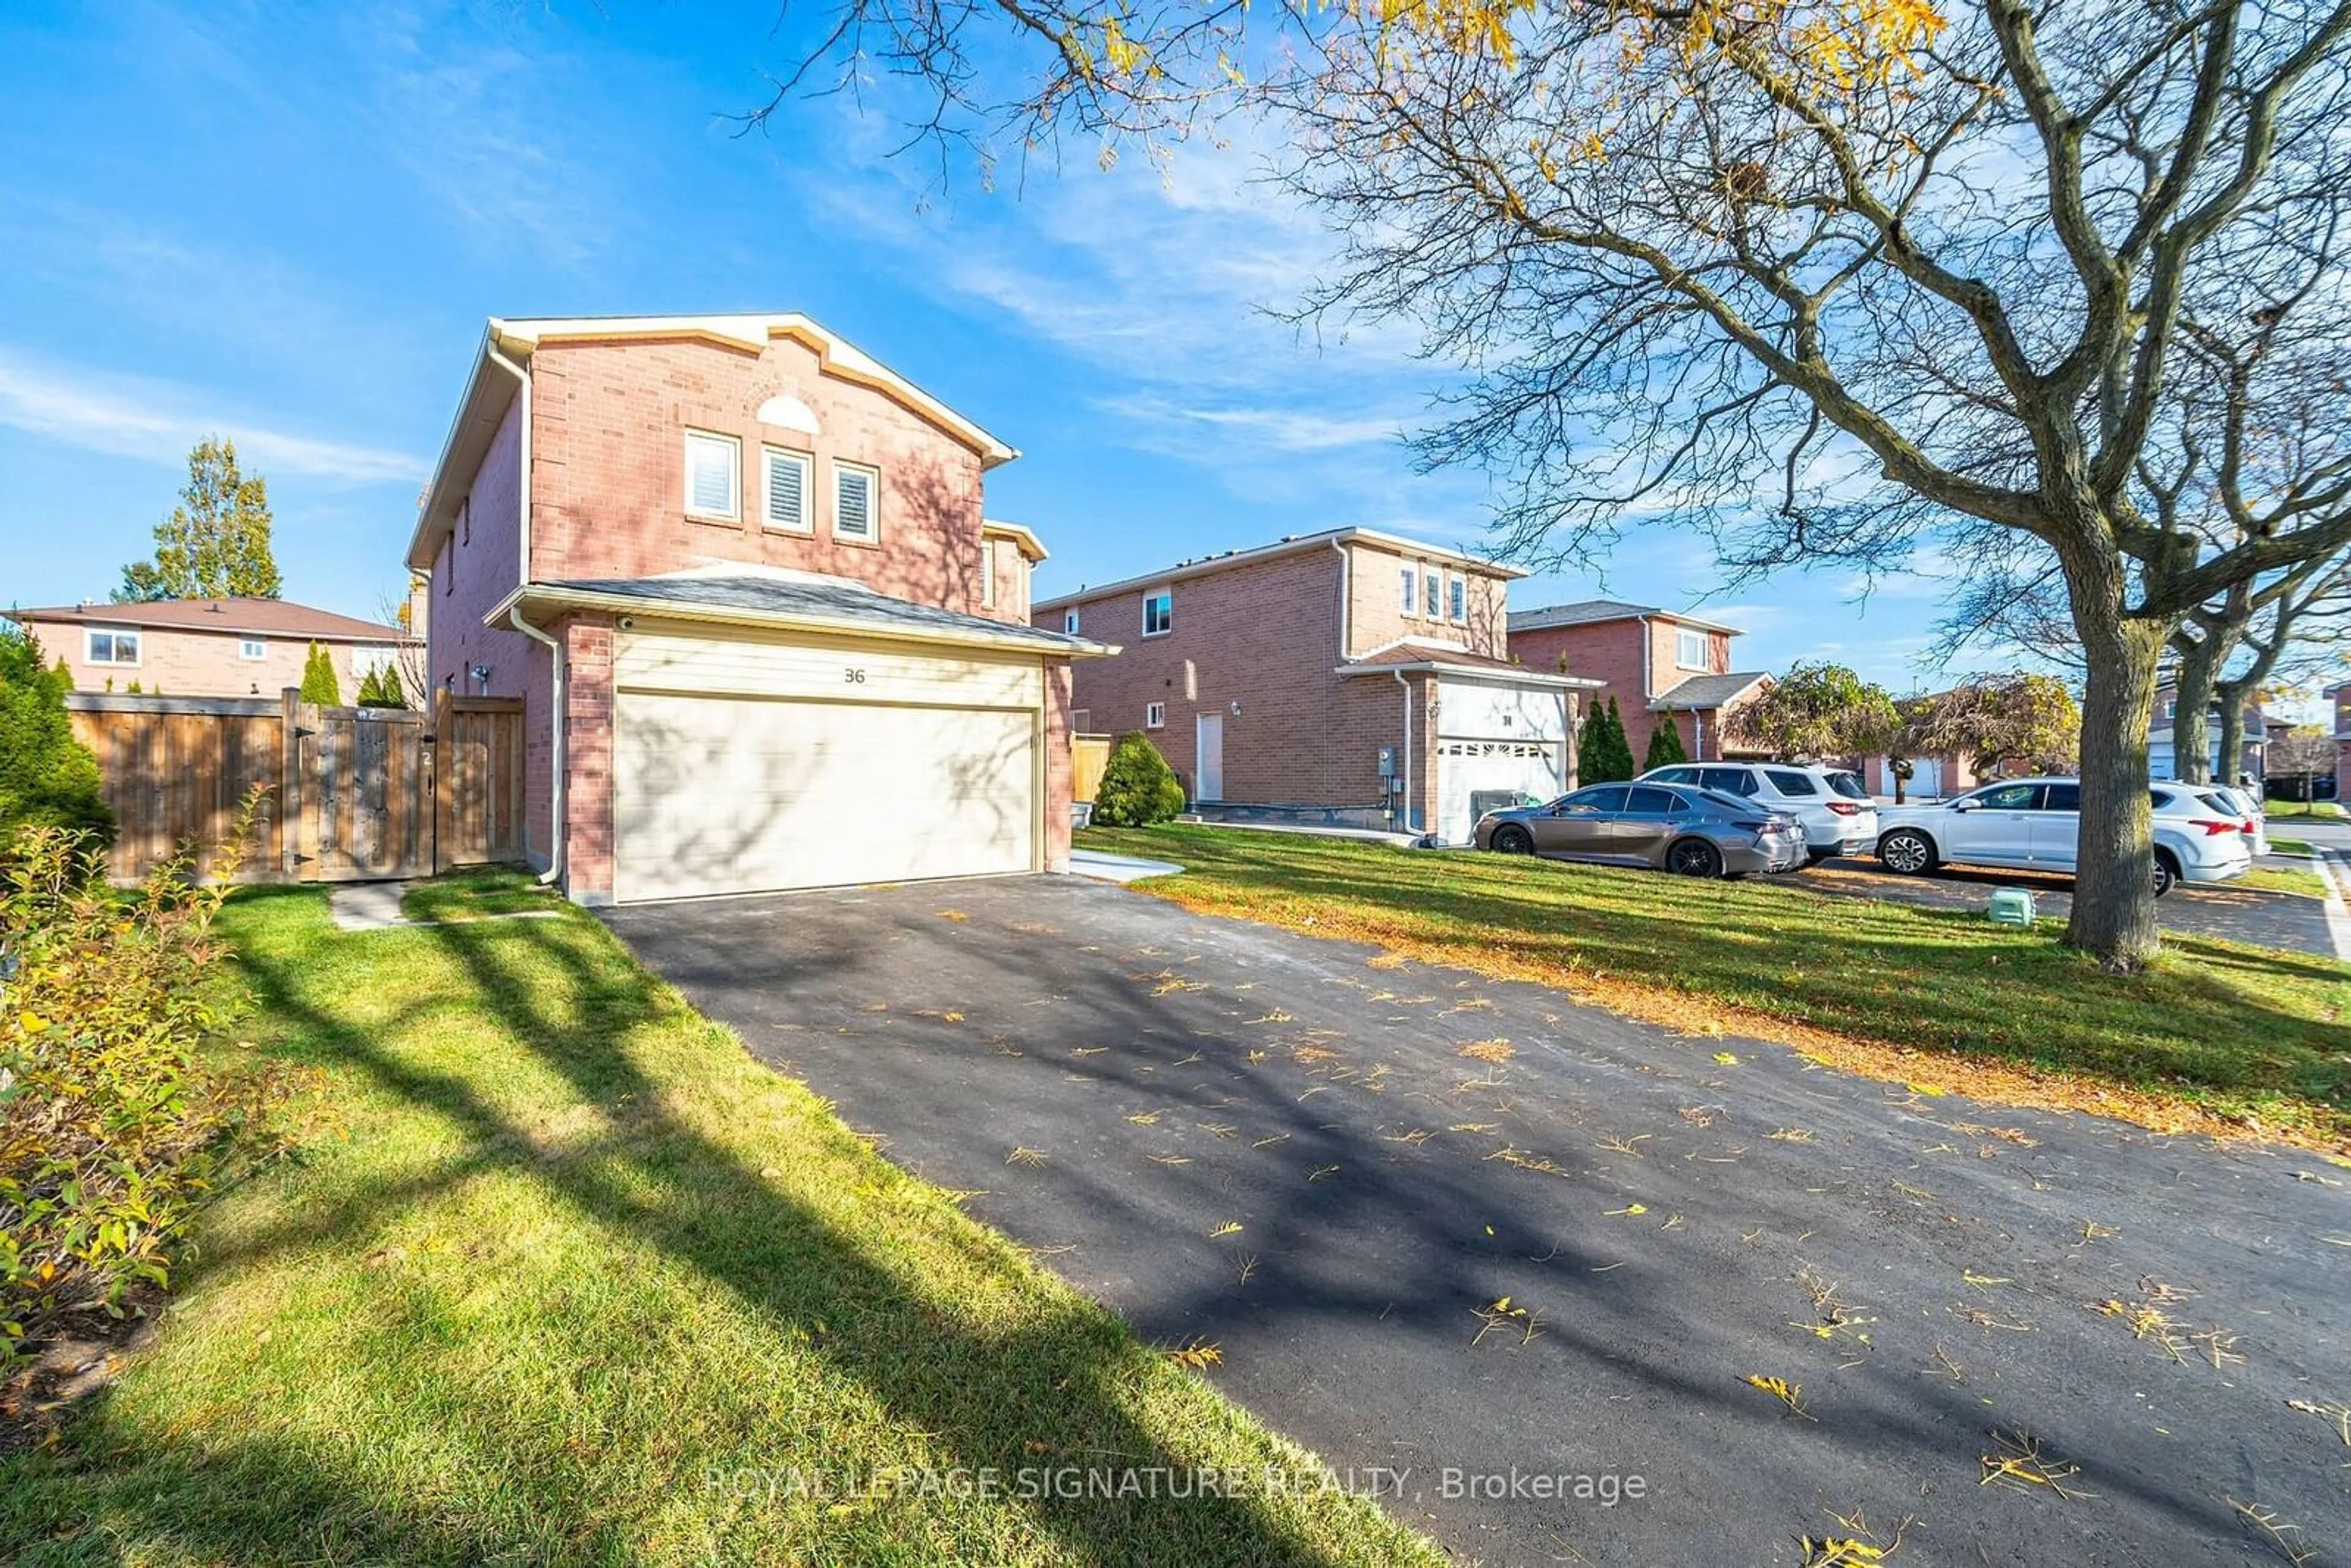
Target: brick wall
609,472
1611,650
588,739
185,664
1264,635
1376,613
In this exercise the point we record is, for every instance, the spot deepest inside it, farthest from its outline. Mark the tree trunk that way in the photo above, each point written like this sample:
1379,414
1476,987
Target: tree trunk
2113,877
2192,734
2234,694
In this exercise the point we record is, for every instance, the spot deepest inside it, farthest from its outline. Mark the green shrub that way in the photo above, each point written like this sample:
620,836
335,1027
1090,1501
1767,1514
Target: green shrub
1602,754
1137,786
111,1122
381,688
1665,744
47,779
319,683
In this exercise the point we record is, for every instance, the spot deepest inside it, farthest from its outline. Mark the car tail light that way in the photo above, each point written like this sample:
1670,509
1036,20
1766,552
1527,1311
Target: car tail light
2214,829
1756,826
1845,808
2252,826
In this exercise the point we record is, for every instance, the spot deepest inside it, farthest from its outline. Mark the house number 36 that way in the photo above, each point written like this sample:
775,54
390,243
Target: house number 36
853,675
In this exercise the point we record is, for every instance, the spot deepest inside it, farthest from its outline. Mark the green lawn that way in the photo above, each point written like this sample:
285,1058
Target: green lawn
474,895
2214,1032
2283,879
2279,846
562,1275
2274,809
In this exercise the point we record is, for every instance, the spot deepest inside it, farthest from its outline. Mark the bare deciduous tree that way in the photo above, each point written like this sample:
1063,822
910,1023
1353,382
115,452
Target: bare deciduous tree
1818,279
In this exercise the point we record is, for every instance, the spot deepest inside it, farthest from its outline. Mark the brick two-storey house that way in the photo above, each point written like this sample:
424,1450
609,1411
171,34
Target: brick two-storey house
208,647
740,576
1660,666
1349,677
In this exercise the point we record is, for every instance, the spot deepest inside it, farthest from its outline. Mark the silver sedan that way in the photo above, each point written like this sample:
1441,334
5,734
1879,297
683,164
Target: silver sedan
1696,832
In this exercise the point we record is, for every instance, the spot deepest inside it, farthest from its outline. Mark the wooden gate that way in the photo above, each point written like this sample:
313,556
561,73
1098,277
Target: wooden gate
352,794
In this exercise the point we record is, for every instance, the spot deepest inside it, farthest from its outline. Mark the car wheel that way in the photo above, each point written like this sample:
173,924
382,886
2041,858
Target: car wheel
2167,873
1912,854
1694,857
1513,842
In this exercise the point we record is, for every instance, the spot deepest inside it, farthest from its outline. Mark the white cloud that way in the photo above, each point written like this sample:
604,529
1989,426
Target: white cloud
1163,423
158,422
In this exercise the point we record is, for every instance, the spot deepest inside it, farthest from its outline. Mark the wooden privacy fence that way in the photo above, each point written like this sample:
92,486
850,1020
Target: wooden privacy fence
1090,754
353,794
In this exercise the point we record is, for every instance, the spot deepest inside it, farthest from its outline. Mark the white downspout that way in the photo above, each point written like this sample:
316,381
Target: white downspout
1406,685
1346,609
555,781
514,616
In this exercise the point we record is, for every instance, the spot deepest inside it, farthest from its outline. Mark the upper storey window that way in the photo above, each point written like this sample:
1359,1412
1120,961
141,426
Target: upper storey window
713,471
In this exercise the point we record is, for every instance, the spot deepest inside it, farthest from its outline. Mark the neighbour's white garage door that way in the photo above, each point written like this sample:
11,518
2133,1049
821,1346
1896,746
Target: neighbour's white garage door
718,791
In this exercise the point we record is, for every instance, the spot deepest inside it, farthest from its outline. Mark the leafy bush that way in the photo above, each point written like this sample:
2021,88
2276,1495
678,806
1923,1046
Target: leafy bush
1137,786
111,1123
1665,744
319,683
47,779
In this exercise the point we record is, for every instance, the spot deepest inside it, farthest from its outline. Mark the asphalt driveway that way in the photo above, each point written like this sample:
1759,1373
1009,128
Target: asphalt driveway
1333,1167
2288,921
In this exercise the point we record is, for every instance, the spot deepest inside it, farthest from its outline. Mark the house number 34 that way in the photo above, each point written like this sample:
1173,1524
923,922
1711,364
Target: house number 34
853,675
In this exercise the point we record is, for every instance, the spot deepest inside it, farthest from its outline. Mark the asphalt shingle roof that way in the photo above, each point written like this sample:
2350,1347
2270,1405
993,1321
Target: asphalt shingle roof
836,598
1706,691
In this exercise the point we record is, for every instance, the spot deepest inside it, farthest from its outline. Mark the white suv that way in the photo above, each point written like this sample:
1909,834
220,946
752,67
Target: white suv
2034,823
1839,816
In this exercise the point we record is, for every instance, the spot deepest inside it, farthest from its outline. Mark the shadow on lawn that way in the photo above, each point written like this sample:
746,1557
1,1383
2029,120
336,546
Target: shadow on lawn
2207,1019
667,1188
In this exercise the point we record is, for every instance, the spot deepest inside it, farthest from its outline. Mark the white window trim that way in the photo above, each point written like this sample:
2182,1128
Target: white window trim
138,644
1155,716
253,648
987,574
1410,583
1069,622
768,456
1169,594
1682,663
734,514
872,534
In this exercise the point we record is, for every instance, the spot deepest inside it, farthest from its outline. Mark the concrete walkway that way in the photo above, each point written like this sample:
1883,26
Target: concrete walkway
1121,868
368,905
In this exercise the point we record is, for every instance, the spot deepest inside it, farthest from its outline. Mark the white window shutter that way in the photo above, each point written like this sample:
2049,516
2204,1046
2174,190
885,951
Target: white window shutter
853,503
787,491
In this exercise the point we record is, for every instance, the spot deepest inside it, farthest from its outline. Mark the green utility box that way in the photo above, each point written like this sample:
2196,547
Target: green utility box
2013,906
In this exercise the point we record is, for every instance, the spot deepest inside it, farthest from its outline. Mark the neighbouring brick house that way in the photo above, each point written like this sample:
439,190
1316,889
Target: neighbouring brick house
1661,667
1349,677
209,647
740,575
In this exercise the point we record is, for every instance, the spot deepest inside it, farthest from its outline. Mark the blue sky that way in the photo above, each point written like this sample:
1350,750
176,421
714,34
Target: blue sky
286,224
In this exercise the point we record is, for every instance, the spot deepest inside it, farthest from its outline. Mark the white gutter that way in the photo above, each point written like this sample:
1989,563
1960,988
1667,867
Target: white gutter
555,795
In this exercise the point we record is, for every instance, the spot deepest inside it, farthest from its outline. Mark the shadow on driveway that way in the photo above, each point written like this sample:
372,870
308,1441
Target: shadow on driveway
1333,1166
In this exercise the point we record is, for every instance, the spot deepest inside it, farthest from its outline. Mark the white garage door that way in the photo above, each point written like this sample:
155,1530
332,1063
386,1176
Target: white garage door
718,791
1475,774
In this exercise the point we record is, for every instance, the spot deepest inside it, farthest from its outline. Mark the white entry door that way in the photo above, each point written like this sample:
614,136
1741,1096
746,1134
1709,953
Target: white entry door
1208,756
717,794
